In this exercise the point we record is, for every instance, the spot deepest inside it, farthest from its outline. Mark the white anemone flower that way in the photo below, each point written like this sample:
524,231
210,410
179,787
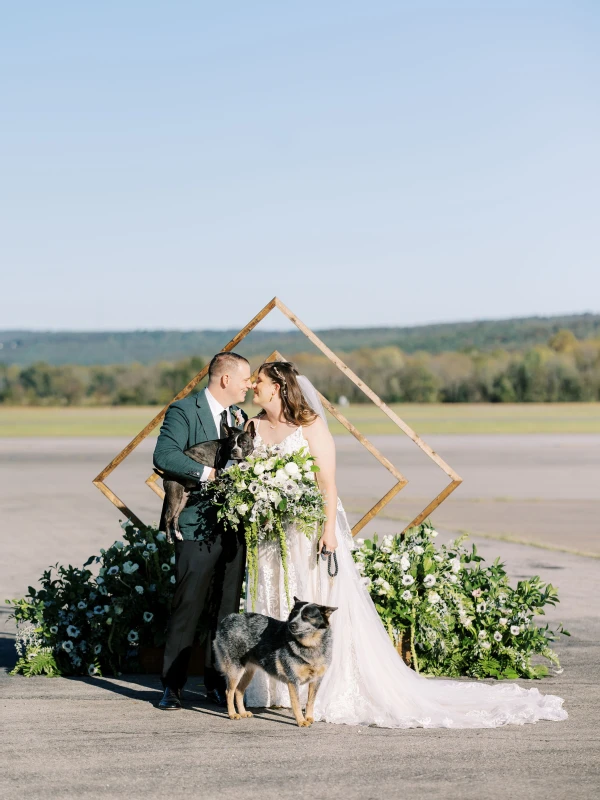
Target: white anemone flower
515,630
92,669
54,629
434,598
388,540
407,580
502,621
133,636
72,631
152,547
148,616
173,579
172,559
97,649
429,581
386,549
161,537
242,508
418,550
81,605
67,646
395,558
139,589
404,563
406,595
366,581
498,636
165,567
486,645
482,634
129,567
378,565
481,607
113,570
98,610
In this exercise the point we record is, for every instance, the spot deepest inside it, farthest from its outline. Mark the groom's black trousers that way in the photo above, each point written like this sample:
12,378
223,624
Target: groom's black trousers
209,579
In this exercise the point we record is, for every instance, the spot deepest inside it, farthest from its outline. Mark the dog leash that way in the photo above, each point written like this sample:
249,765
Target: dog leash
331,557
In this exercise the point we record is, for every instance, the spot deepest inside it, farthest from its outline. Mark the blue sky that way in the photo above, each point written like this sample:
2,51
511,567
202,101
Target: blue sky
177,164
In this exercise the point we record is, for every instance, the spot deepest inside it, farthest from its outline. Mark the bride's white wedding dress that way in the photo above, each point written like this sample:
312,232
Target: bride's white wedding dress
367,682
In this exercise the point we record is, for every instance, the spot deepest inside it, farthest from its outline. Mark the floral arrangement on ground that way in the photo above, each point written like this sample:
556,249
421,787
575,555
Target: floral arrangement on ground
460,616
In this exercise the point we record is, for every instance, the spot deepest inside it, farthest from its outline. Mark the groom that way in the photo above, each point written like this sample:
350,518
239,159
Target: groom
209,561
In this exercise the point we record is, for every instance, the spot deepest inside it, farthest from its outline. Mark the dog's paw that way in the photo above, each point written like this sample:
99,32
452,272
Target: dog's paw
310,720
234,716
304,723
247,714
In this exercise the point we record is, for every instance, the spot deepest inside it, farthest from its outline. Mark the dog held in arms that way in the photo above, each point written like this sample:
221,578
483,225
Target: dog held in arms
295,651
235,446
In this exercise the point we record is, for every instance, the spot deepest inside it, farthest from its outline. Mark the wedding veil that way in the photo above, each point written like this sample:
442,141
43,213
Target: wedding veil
311,396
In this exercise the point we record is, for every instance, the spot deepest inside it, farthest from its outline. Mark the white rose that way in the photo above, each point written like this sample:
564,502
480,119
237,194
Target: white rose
388,540
281,476
434,597
378,565
292,469
418,550
243,508
259,468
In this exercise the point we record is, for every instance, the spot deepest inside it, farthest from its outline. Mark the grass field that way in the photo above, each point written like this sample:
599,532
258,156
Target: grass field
425,419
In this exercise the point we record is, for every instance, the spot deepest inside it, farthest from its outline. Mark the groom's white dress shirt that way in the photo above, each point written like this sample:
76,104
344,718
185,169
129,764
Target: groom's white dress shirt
216,410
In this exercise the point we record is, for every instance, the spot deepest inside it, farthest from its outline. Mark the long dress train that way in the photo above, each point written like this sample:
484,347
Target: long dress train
367,682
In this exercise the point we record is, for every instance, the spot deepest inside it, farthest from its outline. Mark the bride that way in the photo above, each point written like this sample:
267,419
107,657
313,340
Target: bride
367,682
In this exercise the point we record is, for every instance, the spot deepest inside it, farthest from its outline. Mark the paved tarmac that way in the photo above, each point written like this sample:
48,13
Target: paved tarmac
104,738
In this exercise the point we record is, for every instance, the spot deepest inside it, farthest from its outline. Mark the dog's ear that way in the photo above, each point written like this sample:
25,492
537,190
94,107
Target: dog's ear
298,602
228,431
251,429
327,611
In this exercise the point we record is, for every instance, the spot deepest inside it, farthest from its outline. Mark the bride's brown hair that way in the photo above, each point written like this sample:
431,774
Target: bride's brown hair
294,407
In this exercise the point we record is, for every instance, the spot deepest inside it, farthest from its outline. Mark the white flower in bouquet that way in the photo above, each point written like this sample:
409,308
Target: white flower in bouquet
452,578
98,610
502,598
129,567
502,621
482,634
81,605
161,536
404,563
498,636
139,589
152,547
173,579
172,559
515,630
253,487
97,649
429,581
434,597
476,592
292,469
148,616
481,607
165,567
243,508
133,636
245,466
418,550
407,580
281,476
359,542
438,558
72,631
360,566
486,645
455,565
240,486
386,549
406,594
384,586
378,565
118,610
395,558
258,468
67,646
269,464
262,495
113,570
274,497
431,532
366,581
54,629
388,540
92,670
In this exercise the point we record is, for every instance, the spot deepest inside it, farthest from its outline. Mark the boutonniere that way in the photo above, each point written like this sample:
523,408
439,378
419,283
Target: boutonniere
239,418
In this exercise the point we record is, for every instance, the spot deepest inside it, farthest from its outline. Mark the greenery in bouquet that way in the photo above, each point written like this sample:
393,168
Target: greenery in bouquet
82,623
463,617
263,495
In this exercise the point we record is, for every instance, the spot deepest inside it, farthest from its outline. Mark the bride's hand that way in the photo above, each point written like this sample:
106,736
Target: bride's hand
328,542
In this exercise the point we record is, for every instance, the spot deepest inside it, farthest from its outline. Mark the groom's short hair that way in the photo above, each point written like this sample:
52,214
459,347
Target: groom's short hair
223,363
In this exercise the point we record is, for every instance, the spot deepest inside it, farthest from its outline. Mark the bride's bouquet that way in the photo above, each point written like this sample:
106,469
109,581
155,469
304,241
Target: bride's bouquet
263,495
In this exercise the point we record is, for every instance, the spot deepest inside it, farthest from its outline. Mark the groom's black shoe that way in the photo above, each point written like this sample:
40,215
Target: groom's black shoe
171,700
217,697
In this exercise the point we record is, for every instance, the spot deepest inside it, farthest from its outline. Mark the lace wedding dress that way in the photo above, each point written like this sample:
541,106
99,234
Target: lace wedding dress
367,682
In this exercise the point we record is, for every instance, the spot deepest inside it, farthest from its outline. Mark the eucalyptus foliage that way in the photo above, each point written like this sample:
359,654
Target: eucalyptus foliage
462,616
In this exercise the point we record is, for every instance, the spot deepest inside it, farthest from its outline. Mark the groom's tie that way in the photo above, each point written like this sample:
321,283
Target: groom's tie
223,425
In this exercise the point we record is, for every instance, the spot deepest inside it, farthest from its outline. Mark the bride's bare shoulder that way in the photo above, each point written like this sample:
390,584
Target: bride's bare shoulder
253,421
316,429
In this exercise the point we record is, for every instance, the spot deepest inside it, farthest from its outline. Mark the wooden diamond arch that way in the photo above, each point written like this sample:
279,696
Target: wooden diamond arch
401,481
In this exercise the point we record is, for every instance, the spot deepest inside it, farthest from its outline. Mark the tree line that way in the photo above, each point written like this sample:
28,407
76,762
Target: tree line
565,369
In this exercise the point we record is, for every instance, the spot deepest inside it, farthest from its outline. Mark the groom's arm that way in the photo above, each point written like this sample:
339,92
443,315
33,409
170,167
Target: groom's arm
172,441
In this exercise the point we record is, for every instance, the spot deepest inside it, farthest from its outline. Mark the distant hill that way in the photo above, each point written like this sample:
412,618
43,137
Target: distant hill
146,347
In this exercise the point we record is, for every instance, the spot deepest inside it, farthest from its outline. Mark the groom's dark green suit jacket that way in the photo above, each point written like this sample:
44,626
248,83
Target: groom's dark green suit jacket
189,422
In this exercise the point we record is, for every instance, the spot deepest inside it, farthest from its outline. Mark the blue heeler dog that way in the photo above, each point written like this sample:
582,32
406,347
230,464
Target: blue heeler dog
295,651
